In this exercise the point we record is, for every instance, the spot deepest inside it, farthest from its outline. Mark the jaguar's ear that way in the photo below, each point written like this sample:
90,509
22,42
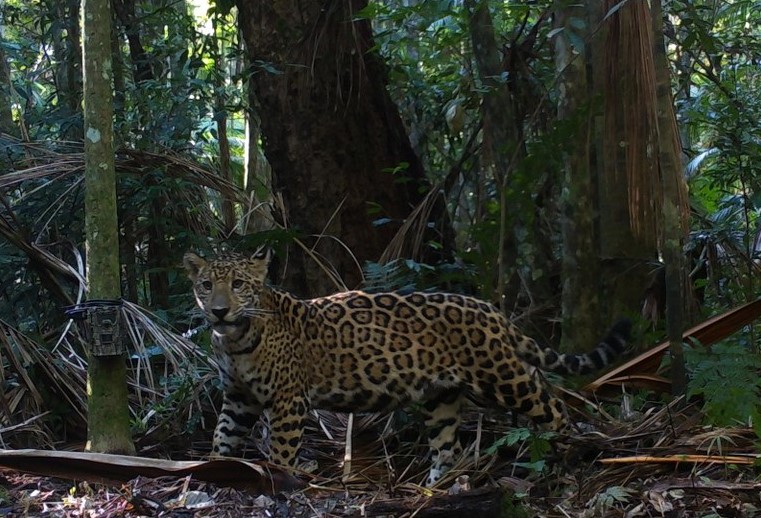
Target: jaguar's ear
263,254
260,262
193,264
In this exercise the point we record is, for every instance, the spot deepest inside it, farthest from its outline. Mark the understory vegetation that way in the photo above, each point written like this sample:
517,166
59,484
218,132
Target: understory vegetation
193,172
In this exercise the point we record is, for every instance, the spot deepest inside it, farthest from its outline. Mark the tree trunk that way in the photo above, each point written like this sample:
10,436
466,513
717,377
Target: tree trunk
580,263
257,180
6,100
158,258
158,255
523,265
674,213
628,187
500,136
331,134
257,173
228,208
67,70
108,416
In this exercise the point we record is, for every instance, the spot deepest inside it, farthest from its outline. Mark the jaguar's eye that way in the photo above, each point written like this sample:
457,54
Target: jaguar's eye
206,285
237,284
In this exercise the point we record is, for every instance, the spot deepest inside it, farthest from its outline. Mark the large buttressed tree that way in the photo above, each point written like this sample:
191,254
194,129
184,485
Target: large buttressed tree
339,151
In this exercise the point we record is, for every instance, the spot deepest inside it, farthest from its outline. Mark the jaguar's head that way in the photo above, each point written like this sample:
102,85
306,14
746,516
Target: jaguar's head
227,287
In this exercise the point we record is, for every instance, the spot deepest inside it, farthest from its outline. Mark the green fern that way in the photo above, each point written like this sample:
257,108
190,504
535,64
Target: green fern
538,443
409,275
394,275
727,378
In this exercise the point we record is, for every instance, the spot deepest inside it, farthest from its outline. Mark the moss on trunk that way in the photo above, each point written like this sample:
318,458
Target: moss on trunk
108,416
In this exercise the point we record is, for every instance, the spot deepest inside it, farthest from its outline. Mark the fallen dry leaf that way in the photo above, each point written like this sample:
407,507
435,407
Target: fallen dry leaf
107,468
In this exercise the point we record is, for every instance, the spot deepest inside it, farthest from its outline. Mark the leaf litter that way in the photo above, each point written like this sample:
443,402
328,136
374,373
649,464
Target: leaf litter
657,459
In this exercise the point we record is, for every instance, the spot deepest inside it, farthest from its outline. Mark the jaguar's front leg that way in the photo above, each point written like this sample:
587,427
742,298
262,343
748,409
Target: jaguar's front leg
236,419
287,418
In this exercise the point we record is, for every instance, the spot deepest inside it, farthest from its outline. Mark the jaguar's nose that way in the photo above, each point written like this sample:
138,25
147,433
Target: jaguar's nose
220,312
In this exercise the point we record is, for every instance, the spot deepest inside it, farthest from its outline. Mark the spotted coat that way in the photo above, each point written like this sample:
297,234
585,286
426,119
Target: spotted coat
369,352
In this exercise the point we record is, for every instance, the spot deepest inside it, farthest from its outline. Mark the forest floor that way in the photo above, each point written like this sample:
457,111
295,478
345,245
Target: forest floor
660,463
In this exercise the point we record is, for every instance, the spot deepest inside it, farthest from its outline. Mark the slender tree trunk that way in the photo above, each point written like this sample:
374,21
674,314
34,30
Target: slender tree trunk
257,173
674,215
67,71
580,272
522,267
108,416
257,180
228,209
127,253
500,137
339,152
157,257
6,99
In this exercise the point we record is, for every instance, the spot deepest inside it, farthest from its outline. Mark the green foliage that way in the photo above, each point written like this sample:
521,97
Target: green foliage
513,508
162,414
193,78
409,275
538,444
168,96
726,378
715,57
612,498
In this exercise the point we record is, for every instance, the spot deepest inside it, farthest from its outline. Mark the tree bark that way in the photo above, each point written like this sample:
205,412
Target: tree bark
68,78
628,186
220,116
108,416
331,134
674,217
6,100
580,260
158,261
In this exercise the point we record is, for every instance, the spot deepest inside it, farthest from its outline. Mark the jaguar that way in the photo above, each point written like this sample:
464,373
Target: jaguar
370,352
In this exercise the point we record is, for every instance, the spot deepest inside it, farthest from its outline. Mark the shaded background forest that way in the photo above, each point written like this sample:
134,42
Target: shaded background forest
545,156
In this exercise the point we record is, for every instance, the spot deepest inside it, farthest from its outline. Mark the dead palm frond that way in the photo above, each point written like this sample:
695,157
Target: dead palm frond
26,432
160,354
630,76
55,167
42,260
644,371
409,240
38,379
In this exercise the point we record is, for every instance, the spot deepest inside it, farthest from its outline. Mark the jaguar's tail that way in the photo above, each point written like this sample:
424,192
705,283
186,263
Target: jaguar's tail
607,350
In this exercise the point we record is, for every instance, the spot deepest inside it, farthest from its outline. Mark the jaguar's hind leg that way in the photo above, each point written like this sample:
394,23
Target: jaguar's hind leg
541,405
442,423
527,393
